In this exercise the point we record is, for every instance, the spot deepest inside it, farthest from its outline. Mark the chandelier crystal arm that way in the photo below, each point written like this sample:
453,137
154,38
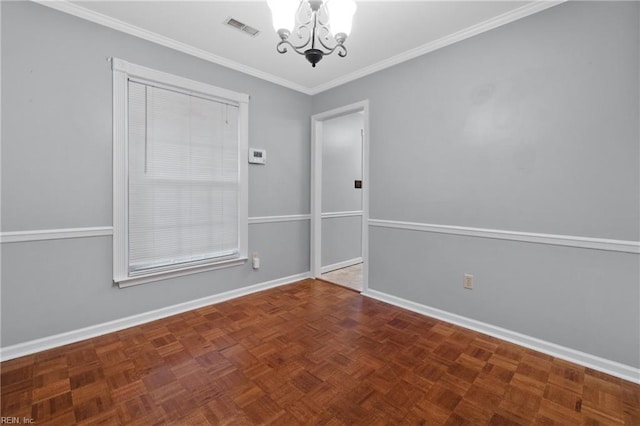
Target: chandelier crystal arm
323,33
303,32
284,40
281,47
342,51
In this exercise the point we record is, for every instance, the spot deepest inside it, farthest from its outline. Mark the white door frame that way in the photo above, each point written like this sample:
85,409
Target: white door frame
316,186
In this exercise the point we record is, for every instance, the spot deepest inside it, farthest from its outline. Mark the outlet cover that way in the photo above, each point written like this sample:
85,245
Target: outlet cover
468,281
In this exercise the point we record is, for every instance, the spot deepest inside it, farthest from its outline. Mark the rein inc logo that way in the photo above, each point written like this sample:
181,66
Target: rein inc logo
16,420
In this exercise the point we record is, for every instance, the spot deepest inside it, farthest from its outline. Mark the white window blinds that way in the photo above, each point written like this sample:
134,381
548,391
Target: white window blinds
183,179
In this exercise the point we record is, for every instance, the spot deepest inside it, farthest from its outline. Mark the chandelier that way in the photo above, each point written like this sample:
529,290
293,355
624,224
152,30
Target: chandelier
315,23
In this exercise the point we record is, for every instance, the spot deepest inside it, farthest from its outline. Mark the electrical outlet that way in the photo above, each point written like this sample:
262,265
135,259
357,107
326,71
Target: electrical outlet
468,281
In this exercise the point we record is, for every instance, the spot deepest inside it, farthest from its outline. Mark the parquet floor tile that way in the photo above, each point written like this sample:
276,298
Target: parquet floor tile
307,353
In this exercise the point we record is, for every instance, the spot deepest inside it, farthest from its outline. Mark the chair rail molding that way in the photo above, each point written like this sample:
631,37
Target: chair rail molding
103,231
54,234
280,218
327,215
527,237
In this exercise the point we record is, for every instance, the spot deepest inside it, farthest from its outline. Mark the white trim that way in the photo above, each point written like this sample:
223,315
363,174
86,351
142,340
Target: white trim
120,179
341,111
118,25
150,74
107,21
281,218
315,251
528,237
613,368
341,265
54,234
49,342
365,198
122,71
341,214
505,18
243,170
316,186
102,231
174,273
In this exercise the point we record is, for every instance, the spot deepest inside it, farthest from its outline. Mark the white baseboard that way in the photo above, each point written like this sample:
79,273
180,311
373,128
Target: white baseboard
340,265
613,368
33,346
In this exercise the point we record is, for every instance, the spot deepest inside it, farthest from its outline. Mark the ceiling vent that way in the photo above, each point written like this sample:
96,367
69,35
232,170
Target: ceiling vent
242,27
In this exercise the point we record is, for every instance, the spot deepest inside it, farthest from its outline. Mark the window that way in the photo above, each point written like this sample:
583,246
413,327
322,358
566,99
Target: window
180,186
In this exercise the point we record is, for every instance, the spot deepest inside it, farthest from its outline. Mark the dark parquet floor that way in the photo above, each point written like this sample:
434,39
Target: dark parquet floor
307,353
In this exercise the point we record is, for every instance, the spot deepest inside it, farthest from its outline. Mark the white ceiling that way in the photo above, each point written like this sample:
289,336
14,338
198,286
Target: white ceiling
384,33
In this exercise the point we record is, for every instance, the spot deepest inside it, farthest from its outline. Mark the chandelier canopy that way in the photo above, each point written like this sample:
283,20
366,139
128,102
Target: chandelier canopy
315,23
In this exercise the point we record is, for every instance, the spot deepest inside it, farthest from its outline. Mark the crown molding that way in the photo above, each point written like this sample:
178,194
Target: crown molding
489,24
118,25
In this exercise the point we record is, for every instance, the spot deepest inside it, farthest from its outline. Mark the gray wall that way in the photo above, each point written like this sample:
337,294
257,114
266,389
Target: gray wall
57,173
533,127
341,166
341,240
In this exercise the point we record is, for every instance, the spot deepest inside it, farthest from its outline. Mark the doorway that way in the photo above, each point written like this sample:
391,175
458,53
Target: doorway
339,195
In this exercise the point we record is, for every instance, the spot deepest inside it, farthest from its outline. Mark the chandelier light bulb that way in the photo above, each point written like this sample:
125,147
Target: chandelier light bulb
283,13
341,16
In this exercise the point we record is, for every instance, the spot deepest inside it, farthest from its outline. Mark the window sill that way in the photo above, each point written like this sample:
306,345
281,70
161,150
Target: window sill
165,275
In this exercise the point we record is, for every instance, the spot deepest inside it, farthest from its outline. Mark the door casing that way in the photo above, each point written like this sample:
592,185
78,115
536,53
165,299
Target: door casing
316,186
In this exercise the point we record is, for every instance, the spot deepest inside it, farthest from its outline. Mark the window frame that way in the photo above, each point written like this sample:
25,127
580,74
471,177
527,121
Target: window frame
122,72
